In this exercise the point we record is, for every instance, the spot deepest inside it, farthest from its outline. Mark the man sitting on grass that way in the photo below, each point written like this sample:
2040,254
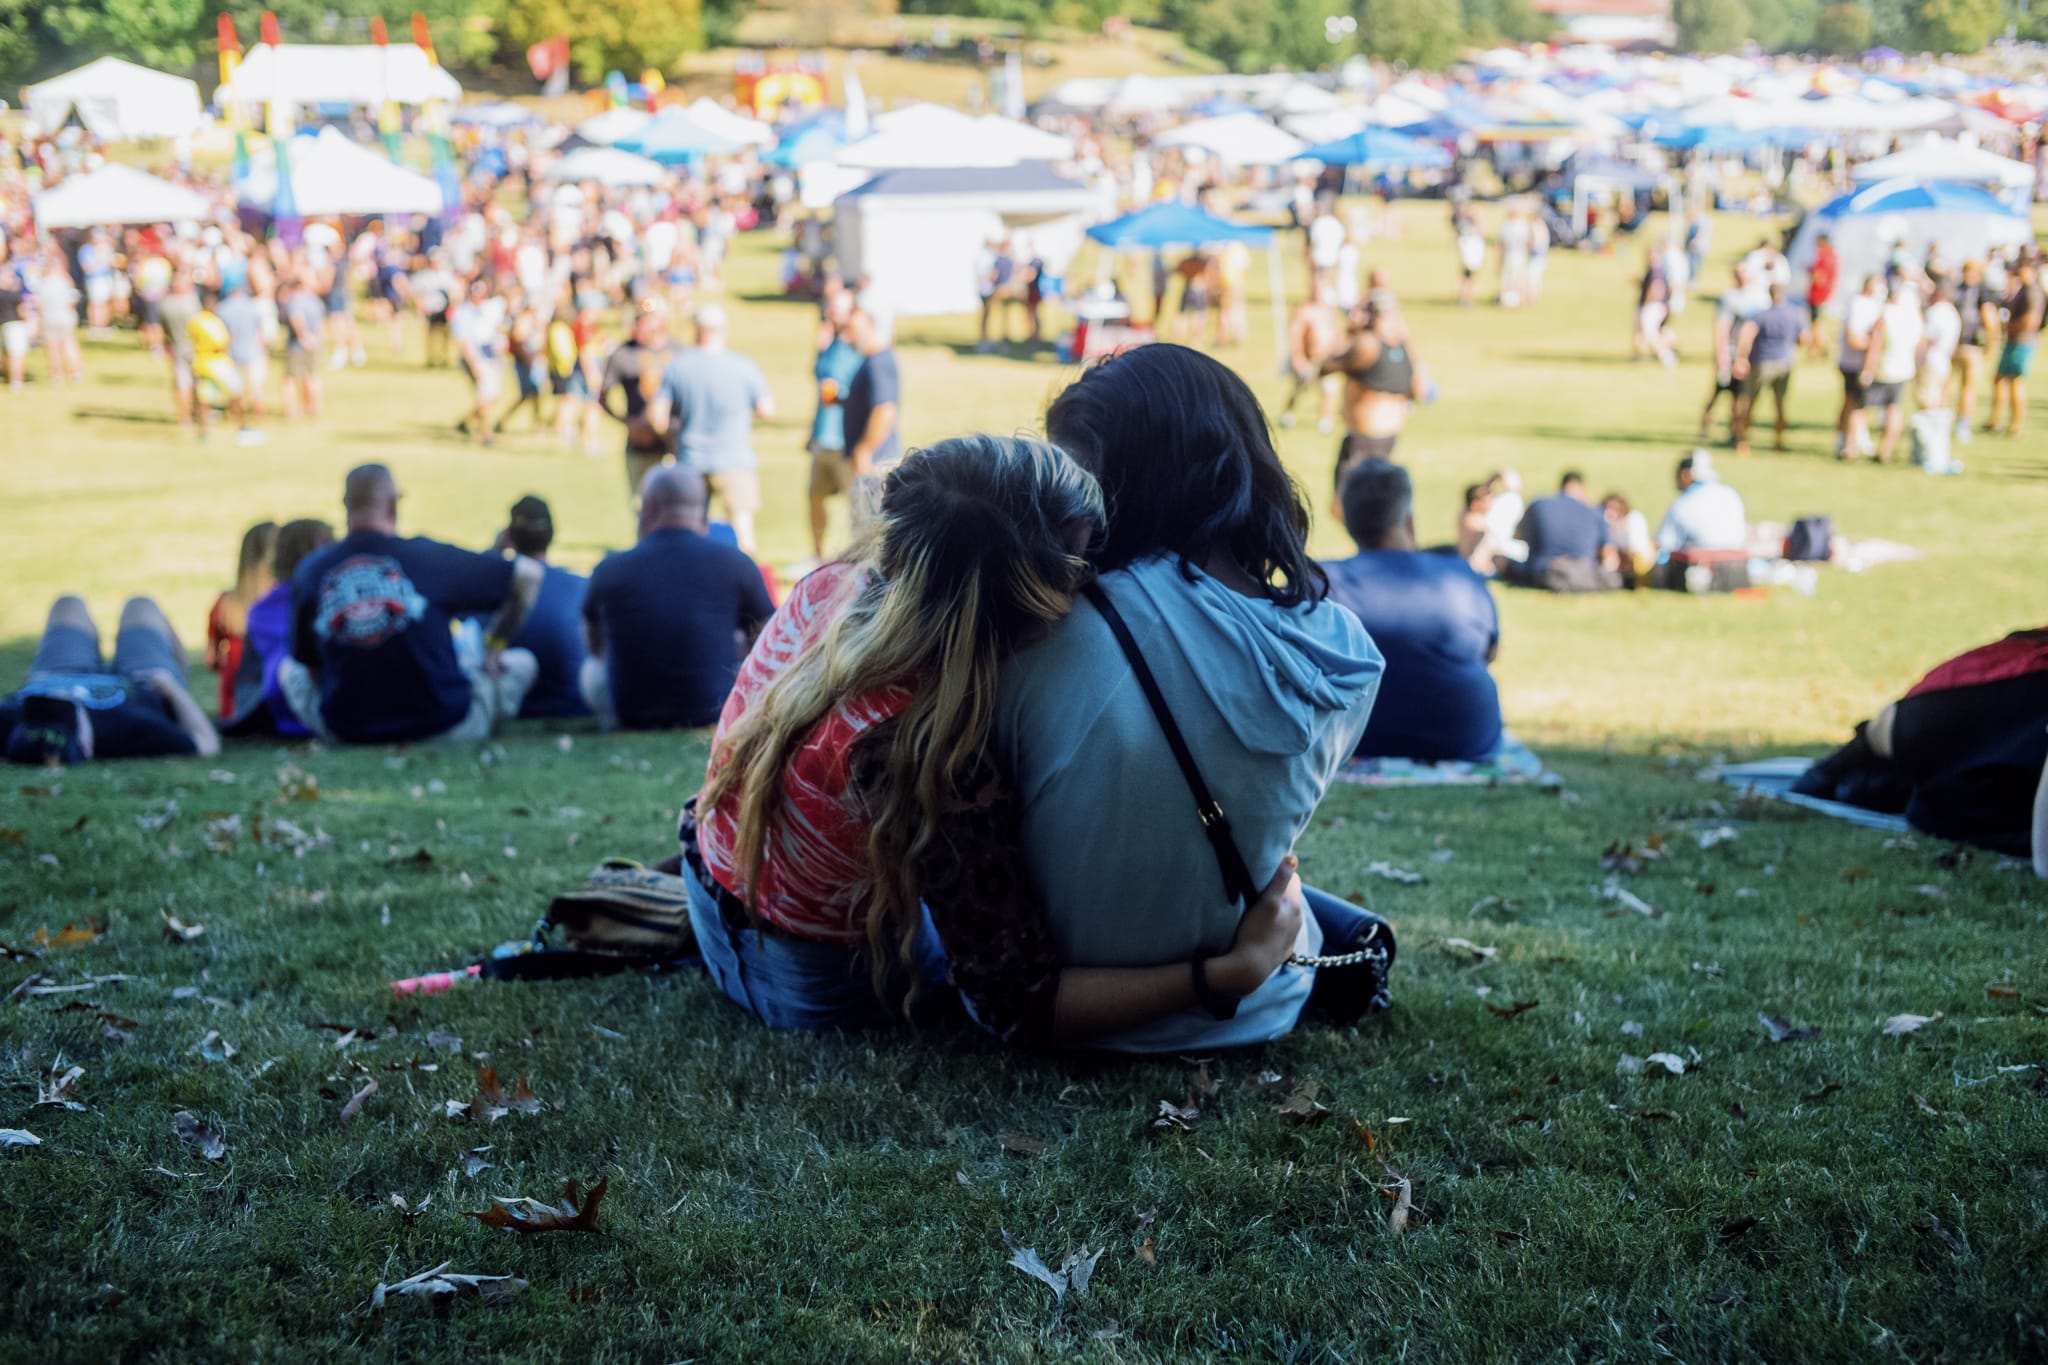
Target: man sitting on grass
373,660
553,634
669,620
1432,617
1705,526
1569,548
75,706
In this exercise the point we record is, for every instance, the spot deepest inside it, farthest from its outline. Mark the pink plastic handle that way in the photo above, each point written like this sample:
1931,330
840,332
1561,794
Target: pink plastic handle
435,982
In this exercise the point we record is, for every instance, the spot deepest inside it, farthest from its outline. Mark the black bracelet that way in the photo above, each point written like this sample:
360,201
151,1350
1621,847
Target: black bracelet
1218,1005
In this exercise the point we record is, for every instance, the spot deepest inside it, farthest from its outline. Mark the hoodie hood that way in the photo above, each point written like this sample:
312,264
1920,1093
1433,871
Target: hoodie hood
1279,676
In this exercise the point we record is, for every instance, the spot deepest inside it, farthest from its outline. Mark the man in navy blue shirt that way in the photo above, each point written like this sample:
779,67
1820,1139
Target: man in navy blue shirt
1432,618
874,442
669,620
553,632
1569,548
373,656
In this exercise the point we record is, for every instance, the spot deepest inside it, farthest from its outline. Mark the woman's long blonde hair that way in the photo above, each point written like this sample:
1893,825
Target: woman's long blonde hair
252,575
970,556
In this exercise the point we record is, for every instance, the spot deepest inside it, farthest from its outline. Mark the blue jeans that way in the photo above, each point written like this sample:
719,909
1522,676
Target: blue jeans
1340,920
795,983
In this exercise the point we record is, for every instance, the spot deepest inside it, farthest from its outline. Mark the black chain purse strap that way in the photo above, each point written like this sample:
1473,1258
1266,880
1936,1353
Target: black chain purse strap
1237,877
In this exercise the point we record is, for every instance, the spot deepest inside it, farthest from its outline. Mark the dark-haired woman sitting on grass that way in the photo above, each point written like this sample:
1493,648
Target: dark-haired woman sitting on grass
850,785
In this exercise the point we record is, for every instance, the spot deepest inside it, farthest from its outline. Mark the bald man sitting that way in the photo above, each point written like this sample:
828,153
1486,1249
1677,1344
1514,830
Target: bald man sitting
669,620
373,660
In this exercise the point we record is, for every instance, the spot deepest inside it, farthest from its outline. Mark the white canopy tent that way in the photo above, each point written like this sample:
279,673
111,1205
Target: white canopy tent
1236,140
613,124
917,234
347,74
118,194
1965,221
932,137
609,167
1944,159
739,128
333,177
117,101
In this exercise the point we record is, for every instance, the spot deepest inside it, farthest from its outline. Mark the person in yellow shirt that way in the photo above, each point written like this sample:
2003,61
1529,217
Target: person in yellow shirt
217,380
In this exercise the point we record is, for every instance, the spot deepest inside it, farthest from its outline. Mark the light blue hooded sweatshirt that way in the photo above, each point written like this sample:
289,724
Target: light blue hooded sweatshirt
1272,701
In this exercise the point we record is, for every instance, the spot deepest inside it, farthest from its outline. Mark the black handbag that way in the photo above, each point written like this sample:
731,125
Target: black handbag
1349,982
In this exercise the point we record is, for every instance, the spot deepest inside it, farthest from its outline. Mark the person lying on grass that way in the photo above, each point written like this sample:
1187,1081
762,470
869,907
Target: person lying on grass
854,853
77,705
1204,559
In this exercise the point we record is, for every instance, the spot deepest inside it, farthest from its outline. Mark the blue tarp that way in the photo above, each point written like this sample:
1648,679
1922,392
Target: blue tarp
1169,225
1379,149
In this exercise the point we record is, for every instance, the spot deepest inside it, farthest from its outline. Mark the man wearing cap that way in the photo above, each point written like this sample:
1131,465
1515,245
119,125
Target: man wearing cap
708,399
874,442
373,659
553,632
634,370
76,706
1706,521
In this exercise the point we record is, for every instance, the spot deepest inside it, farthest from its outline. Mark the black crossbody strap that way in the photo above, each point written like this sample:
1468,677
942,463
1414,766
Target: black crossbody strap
1237,878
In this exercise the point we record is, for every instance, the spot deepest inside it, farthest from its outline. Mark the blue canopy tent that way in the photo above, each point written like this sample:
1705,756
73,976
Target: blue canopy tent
1160,227
1716,139
1966,221
674,136
1379,149
1216,106
815,143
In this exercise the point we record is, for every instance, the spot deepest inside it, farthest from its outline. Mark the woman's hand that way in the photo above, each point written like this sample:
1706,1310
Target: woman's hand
1265,936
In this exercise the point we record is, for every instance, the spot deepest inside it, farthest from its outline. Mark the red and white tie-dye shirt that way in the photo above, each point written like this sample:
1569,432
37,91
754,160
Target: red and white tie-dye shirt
814,871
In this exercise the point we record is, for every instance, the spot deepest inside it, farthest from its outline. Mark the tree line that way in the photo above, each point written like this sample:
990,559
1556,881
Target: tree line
41,37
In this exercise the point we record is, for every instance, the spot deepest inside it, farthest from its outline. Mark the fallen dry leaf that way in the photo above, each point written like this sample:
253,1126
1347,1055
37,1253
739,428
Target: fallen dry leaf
1735,1227
406,1211
57,1094
1072,1276
1147,1218
1908,1023
18,1137
356,1102
67,937
1783,1032
177,931
2001,992
1176,1117
215,1048
190,1130
1147,1254
1402,1192
473,1161
1670,1061
1393,874
574,1214
439,1283
1022,1145
1620,894
1510,1011
1465,946
1206,1085
1363,1133
1302,1106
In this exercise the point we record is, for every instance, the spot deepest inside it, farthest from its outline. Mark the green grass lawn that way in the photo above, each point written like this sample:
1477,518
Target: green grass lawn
1853,1195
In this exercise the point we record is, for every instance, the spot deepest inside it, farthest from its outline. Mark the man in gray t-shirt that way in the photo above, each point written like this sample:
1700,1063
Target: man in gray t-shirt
248,346
178,309
709,398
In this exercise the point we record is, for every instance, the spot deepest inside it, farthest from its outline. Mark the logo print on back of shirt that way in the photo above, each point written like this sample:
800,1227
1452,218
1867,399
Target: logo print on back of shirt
366,600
